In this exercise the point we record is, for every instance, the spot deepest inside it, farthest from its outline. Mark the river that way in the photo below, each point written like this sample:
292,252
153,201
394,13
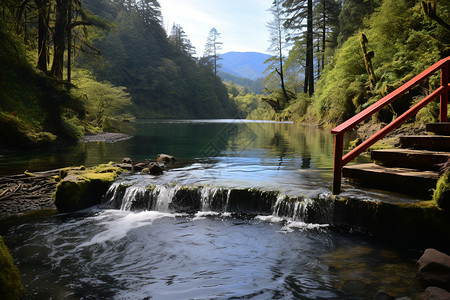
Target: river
117,252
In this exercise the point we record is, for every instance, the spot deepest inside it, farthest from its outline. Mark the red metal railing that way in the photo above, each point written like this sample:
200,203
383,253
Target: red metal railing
340,161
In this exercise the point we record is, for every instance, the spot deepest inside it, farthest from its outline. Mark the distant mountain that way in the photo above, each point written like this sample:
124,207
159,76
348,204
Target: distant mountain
254,86
244,64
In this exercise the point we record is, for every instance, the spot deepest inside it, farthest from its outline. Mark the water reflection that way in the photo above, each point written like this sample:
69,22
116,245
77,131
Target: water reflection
191,140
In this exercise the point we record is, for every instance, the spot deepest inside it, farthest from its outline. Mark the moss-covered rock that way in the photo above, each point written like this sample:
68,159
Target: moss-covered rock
82,188
10,285
441,194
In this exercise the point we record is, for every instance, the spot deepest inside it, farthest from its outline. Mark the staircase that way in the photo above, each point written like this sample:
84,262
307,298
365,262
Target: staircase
412,169
435,143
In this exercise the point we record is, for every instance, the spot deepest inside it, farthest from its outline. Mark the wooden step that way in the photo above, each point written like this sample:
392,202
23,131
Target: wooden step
439,128
408,181
428,142
408,158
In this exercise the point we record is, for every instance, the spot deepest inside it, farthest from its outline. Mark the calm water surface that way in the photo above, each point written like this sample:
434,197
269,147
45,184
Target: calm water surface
114,254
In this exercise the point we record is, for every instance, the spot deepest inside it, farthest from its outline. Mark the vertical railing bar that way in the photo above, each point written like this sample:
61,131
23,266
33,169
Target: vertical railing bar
443,107
337,168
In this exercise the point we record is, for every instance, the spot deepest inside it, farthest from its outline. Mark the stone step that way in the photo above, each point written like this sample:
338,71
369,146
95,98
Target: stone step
428,142
439,128
408,181
408,158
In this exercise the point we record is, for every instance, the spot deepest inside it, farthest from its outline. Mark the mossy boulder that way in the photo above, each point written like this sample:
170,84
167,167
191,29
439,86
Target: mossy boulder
10,285
442,192
82,188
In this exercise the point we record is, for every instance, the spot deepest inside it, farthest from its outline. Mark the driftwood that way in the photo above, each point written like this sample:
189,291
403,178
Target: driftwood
27,192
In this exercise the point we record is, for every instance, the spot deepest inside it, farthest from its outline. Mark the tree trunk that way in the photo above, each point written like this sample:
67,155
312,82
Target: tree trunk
310,49
324,33
43,33
281,72
59,38
69,42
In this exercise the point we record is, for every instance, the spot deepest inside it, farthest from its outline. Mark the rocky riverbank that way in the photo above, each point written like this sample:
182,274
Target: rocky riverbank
28,192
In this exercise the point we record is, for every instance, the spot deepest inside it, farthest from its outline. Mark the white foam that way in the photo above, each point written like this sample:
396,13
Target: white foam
290,225
118,223
203,214
271,219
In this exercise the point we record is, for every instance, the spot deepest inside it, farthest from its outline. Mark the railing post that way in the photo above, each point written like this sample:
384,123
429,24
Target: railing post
444,97
337,169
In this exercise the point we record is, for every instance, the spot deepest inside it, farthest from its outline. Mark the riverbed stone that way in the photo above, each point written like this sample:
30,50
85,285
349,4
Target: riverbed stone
166,159
127,160
433,269
435,293
155,169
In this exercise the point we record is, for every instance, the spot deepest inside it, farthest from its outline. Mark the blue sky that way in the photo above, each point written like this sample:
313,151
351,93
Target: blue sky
242,23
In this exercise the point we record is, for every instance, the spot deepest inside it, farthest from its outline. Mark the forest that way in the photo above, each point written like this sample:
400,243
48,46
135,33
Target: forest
332,58
72,67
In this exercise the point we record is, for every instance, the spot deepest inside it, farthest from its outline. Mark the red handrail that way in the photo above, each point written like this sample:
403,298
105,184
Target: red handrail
339,131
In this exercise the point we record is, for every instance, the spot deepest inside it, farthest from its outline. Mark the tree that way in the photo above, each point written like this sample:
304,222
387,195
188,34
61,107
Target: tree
149,10
296,12
429,7
43,8
180,41
352,15
212,48
326,29
60,37
278,44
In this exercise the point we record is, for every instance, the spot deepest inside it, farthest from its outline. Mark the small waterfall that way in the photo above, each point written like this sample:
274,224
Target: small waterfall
293,208
193,199
130,195
164,196
205,197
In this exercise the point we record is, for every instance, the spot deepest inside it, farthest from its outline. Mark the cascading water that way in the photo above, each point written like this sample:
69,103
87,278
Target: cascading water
141,196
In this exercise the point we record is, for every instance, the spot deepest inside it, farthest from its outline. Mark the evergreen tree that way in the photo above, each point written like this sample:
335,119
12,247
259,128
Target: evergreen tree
278,44
180,41
326,28
297,12
212,49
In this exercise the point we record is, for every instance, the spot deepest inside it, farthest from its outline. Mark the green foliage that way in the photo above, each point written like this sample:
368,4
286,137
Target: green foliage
31,104
10,285
352,16
332,102
442,192
105,103
298,108
403,46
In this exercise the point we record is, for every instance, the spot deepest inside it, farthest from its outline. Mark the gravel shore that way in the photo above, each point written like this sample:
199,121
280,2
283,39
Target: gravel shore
108,137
